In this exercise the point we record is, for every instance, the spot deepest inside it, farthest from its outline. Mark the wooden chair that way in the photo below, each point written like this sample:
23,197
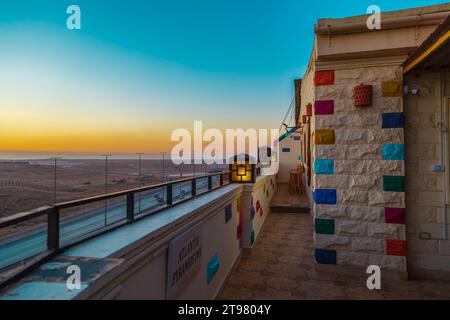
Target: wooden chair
295,180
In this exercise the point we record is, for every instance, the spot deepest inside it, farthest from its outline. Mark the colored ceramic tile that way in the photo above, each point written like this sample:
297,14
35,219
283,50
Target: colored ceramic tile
324,256
323,78
239,204
324,136
324,107
392,89
392,120
396,247
324,226
394,215
252,213
322,166
212,268
394,183
325,196
228,213
393,151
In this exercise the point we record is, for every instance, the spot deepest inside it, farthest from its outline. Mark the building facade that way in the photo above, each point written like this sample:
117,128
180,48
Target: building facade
374,144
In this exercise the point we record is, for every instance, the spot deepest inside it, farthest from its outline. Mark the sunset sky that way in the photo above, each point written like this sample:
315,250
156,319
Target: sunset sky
139,69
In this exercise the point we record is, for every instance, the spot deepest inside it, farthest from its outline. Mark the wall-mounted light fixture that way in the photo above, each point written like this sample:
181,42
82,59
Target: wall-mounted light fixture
242,170
408,90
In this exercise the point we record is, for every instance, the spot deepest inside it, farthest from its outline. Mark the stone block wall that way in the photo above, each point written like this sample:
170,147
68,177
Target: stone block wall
307,96
425,196
358,182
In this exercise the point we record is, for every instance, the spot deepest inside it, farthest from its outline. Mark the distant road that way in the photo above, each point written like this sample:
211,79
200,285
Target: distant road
14,249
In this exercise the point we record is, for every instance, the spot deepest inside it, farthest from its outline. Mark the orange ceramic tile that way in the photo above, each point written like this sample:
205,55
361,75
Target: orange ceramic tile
324,78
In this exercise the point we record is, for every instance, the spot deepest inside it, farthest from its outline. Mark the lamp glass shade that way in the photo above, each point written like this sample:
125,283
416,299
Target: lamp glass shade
242,172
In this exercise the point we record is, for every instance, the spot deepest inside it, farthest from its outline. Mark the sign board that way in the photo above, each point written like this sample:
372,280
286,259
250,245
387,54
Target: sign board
184,260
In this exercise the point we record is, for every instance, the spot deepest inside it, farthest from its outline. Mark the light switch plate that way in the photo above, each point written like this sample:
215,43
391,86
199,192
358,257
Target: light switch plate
438,168
425,235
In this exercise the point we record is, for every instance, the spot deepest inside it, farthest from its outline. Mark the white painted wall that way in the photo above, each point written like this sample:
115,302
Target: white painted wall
144,274
288,160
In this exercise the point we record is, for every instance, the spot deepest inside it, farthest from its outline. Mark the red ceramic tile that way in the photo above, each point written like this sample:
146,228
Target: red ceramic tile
324,78
396,247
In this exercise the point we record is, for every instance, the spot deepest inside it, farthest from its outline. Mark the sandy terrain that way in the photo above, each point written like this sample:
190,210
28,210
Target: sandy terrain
26,185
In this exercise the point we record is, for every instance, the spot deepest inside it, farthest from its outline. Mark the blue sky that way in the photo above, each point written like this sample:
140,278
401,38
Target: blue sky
147,67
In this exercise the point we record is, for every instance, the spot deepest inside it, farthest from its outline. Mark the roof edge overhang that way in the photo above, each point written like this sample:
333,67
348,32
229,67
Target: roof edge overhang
435,42
430,15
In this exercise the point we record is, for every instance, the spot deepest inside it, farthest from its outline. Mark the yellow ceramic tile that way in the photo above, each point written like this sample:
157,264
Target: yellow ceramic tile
324,137
392,89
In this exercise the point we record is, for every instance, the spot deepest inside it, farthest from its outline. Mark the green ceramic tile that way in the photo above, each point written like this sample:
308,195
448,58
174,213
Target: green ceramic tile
324,226
394,183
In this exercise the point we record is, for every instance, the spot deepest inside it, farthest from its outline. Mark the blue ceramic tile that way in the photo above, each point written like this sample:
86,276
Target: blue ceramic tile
323,166
393,152
392,120
324,256
325,196
228,213
213,267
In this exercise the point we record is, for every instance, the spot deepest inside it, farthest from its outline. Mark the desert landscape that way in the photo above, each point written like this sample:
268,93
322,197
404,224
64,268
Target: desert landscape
29,184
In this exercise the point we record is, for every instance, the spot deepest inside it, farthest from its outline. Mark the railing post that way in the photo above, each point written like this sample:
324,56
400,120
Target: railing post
169,193
130,207
53,230
209,183
194,187
221,179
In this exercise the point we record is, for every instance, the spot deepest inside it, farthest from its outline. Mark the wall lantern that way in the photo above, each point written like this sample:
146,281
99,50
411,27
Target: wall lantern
309,110
242,170
363,95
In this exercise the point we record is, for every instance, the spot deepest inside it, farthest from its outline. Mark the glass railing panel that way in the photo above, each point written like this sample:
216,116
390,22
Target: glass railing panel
215,181
22,241
150,201
201,185
181,191
80,222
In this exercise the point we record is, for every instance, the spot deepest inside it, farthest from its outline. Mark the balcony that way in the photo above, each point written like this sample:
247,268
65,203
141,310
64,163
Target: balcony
122,241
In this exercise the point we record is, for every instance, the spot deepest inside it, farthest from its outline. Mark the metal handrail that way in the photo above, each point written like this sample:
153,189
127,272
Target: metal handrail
24,216
53,212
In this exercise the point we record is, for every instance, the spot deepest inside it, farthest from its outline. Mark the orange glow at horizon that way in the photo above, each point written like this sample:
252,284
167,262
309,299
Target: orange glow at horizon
80,136
119,142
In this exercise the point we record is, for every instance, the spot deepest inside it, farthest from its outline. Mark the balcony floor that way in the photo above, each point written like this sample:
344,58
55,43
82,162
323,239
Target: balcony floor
281,266
282,196
283,201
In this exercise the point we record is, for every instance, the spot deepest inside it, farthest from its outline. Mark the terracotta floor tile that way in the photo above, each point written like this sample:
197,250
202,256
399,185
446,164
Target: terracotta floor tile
281,266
